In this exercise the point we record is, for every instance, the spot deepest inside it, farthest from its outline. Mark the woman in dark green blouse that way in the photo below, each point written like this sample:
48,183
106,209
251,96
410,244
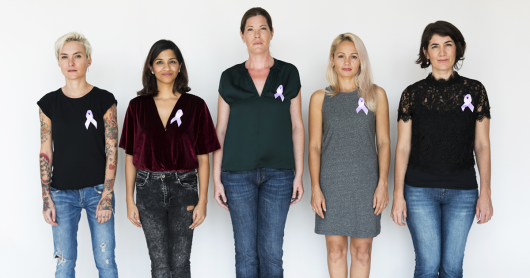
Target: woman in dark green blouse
258,170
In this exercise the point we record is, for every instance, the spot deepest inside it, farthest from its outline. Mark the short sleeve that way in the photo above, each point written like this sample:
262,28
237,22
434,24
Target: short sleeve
107,101
222,92
406,107
207,141
45,104
483,105
127,132
293,83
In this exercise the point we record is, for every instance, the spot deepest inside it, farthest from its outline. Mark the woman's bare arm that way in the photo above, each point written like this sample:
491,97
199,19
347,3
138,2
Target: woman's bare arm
223,113
382,129
315,149
45,160
399,207
483,153
298,147
104,209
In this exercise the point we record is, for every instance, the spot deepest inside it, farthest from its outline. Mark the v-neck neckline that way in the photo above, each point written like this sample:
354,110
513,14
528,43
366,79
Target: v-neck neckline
170,115
267,80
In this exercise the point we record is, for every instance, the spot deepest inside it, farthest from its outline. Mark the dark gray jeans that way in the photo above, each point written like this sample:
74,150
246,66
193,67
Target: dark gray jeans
165,201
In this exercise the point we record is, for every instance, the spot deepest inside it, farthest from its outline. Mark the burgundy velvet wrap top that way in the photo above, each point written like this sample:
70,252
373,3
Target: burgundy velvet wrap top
189,132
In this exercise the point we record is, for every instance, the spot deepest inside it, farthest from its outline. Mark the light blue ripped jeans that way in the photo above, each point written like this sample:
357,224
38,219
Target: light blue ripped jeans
68,204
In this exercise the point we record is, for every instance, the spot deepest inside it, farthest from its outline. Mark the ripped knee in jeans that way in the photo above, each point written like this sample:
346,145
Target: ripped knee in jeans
189,208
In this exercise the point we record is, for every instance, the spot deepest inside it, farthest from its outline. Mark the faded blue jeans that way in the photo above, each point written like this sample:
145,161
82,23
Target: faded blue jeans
259,201
439,221
68,205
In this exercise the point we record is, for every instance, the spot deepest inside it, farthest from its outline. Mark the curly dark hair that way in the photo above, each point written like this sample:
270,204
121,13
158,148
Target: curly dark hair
441,28
149,79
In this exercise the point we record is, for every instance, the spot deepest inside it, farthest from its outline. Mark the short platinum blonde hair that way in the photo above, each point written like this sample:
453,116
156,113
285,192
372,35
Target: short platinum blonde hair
76,37
363,79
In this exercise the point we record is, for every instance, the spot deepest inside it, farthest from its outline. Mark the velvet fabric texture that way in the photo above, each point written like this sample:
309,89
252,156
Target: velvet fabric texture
174,148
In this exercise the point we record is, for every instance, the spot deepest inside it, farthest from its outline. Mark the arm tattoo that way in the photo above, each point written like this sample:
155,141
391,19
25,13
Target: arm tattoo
109,185
111,145
45,129
106,202
111,138
45,179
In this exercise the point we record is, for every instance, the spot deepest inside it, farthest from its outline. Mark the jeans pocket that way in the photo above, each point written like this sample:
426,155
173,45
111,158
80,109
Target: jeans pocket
140,181
99,188
54,190
188,179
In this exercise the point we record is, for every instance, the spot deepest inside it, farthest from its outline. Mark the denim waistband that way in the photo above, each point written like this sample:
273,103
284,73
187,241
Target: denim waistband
164,175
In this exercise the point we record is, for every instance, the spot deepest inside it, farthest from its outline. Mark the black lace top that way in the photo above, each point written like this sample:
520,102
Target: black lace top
444,114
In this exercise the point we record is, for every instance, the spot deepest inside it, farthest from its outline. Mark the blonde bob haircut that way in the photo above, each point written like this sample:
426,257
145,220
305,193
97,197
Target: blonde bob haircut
363,79
76,37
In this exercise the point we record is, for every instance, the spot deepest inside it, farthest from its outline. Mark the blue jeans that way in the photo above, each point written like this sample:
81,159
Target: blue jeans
439,221
259,201
68,204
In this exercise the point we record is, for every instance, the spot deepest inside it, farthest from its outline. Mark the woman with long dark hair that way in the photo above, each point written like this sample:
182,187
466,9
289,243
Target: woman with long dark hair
167,136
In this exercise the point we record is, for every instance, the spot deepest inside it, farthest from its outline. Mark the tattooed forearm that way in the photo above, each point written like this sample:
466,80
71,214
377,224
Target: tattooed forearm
106,202
109,185
45,179
45,129
111,138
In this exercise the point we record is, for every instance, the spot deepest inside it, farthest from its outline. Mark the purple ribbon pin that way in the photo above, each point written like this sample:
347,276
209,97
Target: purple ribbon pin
90,119
177,117
361,106
279,93
467,103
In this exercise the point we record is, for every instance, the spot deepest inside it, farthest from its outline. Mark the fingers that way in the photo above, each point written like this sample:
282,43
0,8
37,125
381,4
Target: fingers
404,216
324,205
49,216
198,218
104,216
297,195
221,199
54,214
134,217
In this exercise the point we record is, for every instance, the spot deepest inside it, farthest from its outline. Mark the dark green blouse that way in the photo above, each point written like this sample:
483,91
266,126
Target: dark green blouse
259,132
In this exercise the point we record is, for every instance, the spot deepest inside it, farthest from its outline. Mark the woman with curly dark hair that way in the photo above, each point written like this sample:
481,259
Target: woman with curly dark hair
167,136
443,122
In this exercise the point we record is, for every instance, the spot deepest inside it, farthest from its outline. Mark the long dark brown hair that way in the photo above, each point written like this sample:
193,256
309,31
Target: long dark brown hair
149,79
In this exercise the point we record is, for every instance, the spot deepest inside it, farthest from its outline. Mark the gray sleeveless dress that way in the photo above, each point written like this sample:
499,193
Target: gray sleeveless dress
349,169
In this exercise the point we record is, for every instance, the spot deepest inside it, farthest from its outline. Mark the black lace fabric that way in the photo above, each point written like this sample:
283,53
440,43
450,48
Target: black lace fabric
443,129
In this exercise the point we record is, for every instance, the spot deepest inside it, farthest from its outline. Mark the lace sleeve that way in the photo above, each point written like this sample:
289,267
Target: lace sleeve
483,104
405,109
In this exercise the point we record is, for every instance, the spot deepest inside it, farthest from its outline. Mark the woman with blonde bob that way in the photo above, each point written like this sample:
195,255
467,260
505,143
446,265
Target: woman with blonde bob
349,157
78,114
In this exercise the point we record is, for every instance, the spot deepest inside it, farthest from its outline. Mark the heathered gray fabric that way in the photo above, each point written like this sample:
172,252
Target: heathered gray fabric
349,170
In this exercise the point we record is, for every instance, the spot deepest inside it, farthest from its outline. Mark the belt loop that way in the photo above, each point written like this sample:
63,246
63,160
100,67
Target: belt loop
176,175
148,173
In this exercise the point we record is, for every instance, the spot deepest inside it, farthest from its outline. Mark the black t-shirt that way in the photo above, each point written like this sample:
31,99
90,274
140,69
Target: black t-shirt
78,133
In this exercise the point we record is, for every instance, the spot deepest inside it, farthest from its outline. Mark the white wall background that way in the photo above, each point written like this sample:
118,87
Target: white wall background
207,32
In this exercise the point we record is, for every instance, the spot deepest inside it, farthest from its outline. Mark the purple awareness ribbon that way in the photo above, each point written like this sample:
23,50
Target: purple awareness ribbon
361,106
279,92
177,117
467,103
90,119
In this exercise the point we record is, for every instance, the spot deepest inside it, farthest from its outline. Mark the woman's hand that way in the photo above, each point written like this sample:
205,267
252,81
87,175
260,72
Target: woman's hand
219,195
298,190
318,202
49,211
380,198
104,209
484,209
199,214
399,211
133,215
